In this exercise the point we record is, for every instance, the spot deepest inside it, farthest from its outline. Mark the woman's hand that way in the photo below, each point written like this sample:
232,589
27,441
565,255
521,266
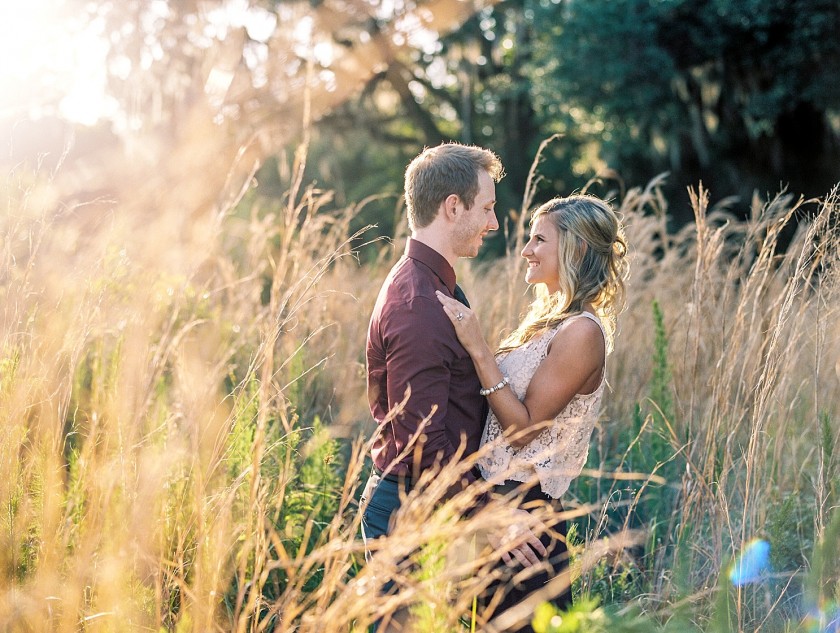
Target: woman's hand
466,324
519,542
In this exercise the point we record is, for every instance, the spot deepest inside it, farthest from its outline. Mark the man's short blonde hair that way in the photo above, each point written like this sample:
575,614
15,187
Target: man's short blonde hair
438,172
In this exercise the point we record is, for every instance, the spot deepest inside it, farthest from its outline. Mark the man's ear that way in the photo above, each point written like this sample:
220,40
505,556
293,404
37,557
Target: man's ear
450,206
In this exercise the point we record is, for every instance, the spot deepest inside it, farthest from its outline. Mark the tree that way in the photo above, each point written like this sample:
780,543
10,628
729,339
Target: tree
468,85
739,94
208,91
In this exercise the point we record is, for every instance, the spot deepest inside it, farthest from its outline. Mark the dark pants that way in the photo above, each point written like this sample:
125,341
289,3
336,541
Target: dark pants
554,541
380,500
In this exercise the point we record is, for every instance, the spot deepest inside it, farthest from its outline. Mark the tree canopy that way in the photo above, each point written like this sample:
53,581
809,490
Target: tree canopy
743,95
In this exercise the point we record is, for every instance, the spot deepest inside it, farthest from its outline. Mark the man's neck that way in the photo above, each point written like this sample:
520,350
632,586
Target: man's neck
435,240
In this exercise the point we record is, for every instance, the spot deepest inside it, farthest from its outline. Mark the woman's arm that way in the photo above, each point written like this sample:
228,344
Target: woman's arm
574,363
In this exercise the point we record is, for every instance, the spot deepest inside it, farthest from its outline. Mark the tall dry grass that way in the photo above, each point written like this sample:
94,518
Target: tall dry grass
750,310
171,401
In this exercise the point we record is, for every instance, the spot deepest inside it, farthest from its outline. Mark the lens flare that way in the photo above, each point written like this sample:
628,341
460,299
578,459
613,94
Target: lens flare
751,564
823,620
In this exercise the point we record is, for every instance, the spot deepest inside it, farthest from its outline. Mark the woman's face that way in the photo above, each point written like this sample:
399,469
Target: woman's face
541,252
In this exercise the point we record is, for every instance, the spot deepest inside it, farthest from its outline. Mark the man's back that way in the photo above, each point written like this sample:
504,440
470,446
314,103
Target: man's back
412,345
422,385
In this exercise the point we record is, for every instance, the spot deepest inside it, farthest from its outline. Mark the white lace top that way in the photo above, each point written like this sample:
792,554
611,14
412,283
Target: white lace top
558,454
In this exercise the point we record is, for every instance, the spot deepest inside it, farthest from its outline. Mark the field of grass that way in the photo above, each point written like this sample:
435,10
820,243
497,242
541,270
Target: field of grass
184,423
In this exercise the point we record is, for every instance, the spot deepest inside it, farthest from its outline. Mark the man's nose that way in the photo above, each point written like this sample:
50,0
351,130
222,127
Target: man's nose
494,222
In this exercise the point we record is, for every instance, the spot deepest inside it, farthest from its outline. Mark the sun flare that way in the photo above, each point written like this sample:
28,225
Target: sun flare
53,63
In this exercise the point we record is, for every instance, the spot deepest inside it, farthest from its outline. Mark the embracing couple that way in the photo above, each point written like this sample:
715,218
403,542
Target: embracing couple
438,391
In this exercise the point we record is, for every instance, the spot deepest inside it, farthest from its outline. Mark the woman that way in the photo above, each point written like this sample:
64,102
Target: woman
544,383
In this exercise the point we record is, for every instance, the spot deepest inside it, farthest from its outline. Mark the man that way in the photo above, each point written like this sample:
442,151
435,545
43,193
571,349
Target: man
422,387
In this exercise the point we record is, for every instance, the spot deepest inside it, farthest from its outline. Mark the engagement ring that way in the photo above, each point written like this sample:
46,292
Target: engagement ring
460,316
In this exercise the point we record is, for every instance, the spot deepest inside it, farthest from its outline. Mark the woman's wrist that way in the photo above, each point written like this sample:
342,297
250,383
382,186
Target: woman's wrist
483,357
488,371
487,391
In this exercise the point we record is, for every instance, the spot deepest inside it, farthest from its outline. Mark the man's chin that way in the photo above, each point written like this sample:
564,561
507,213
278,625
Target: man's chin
470,250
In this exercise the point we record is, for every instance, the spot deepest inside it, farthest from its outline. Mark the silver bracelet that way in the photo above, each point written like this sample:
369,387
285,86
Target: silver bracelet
495,388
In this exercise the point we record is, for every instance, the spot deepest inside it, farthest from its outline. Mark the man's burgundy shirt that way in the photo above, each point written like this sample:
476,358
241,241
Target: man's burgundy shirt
412,345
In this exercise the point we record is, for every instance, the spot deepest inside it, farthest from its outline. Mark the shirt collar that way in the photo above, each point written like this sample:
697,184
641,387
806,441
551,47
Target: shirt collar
430,257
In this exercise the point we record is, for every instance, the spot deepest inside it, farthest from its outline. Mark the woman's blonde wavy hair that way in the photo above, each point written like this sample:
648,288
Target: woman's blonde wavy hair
593,266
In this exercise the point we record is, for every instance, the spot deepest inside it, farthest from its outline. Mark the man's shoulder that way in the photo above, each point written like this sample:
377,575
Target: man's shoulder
408,305
409,281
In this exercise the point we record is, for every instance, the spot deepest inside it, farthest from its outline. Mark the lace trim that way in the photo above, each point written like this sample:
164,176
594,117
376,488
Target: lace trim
559,453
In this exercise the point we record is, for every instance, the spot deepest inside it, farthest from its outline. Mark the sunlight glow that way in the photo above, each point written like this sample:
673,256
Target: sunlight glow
52,64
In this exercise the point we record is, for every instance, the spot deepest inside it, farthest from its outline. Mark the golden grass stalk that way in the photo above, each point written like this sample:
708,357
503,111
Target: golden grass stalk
156,393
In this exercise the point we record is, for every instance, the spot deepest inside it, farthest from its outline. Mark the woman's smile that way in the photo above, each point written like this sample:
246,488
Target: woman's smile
541,253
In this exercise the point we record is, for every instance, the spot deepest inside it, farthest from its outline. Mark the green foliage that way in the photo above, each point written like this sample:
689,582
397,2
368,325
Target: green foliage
789,530
21,528
783,526
724,616
661,387
691,87
822,586
821,600
312,496
586,616
431,562
652,449
241,439
611,582
302,471
608,581
184,625
830,475
644,446
654,452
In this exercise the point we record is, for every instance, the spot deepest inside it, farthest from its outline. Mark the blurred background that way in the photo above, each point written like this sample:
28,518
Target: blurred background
743,95
201,199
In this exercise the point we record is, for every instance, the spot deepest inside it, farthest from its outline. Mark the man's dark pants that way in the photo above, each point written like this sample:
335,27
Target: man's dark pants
380,500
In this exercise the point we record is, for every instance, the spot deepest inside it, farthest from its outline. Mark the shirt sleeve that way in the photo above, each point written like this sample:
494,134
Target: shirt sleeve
421,349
